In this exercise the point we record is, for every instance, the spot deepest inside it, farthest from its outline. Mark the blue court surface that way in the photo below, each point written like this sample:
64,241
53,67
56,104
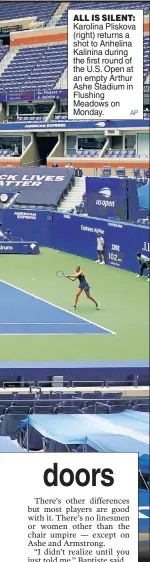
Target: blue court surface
25,314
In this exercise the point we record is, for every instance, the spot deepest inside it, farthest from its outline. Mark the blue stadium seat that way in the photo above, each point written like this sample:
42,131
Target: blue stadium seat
18,409
91,409
106,172
112,395
101,408
143,407
43,409
26,397
66,410
121,172
116,409
10,422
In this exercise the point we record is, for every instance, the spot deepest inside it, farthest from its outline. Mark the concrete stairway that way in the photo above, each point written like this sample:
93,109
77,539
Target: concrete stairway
74,197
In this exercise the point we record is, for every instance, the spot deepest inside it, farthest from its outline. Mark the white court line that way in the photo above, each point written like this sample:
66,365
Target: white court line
41,323
56,306
49,334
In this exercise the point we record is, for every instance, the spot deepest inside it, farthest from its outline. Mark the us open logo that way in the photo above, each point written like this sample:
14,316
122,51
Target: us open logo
106,192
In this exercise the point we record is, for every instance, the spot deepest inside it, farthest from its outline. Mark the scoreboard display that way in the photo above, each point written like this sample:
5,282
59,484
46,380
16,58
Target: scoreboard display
114,255
115,258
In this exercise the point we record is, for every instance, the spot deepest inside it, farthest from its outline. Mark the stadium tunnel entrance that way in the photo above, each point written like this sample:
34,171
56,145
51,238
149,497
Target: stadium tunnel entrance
45,144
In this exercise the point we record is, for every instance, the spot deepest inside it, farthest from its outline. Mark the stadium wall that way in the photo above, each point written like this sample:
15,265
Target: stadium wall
78,235
40,36
89,165
16,162
31,154
111,374
58,149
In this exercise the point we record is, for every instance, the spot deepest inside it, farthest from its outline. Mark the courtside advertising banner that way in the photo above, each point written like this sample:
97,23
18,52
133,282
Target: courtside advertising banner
78,235
106,197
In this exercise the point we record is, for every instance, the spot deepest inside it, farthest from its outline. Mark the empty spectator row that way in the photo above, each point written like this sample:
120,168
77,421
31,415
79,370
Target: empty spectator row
102,5
107,172
30,403
57,396
10,419
117,153
42,67
110,153
42,10
84,153
30,118
34,68
60,117
97,408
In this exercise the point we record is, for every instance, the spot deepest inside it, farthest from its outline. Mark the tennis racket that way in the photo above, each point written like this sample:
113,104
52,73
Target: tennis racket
60,274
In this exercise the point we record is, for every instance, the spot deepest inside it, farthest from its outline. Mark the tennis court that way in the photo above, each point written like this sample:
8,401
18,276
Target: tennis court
38,322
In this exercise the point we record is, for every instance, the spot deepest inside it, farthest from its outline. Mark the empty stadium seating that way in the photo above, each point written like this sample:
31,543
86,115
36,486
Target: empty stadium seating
60,117
118,153
15,408
30,118
42,10
35,68
90,153
100,5
146,55
21,404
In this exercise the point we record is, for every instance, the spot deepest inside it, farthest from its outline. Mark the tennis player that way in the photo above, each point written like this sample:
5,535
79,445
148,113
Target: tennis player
144,262
83,286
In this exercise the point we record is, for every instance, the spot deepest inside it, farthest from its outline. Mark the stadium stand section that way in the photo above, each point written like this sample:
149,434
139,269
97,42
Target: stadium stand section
120,153
35,67
146,53
14,407
42,67
92,153
99,5
30,118
42,10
